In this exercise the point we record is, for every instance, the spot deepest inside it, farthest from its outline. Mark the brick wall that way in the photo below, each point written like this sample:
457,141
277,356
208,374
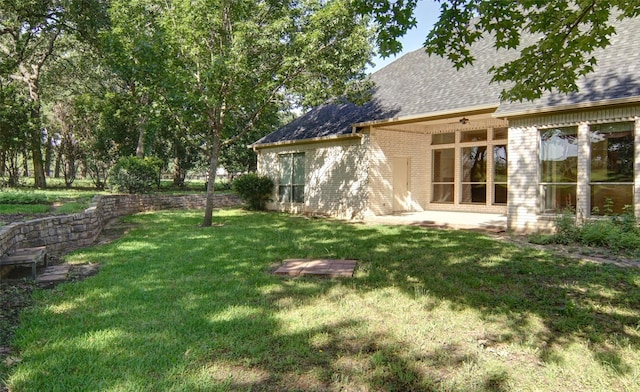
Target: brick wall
335,176
524,204
386,145
522,201
62,233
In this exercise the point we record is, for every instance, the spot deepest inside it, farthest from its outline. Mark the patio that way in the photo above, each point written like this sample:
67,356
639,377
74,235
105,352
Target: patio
445,220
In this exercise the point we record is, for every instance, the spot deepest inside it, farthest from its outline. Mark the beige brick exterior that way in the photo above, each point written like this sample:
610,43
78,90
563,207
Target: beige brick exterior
335,176
353,177
385,145
524,194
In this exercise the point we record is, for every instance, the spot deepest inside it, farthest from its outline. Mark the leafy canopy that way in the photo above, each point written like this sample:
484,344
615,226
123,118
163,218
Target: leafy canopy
556,39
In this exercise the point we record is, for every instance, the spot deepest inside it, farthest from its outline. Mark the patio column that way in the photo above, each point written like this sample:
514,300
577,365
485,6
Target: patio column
636,183
583,197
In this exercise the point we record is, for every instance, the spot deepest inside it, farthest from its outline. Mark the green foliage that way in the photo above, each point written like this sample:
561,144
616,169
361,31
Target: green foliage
134,175
618,233
255,190
23,198
600,233
566,229
566,44
14,126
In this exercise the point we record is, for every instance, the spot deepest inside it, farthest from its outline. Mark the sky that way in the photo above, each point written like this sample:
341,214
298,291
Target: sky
427,13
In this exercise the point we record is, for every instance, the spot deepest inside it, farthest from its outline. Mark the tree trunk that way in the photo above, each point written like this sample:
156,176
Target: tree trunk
38,168
48,156
179,174
140,146
56,171
25,162
36,151
213,167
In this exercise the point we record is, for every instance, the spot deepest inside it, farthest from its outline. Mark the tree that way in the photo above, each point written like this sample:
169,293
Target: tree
30,31
135,50
14,120
234,61
567,33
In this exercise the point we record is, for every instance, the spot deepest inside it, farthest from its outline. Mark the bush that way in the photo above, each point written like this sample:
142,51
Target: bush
599,233
134,175
616,232
255,190
566,229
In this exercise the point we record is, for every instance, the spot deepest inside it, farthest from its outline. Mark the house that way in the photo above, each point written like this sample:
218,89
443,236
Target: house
434,138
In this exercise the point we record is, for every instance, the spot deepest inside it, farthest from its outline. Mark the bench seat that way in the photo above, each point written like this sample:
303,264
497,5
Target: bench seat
26,256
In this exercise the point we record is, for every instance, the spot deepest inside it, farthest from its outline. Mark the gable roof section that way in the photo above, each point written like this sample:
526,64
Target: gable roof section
419,85
413,85
616,78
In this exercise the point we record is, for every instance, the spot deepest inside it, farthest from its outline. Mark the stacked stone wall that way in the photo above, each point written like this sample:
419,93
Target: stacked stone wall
62,233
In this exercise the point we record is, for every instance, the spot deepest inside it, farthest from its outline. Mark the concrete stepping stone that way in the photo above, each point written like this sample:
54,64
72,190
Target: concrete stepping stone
332,268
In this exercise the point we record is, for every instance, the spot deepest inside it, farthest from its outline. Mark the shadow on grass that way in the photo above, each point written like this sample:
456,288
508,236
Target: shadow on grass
178,307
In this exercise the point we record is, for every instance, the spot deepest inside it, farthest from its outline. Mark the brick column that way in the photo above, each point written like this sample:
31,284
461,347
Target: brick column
583,197
636,185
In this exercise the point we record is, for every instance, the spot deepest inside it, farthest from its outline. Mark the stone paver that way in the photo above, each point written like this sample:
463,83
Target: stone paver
332,268
54,274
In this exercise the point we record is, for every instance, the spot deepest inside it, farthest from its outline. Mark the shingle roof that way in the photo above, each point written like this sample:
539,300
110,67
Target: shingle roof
418,84
414,84
617,76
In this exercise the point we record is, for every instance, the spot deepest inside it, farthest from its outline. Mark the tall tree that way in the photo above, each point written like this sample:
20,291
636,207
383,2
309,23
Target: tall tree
566,32
14,119
30,31
28,34
238,59
134,48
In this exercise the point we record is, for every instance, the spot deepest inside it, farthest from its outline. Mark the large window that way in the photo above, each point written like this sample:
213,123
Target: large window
612,163
470,167
291,187
558,168
500,163
443,175
474,174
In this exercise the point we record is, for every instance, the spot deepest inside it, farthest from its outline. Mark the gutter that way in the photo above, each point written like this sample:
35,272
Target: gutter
353,135
567,107
480,109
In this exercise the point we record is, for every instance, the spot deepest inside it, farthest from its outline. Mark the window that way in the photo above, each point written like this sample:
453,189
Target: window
473,136
558,168
443,138
470,167
500,133
612,163
474,174
443,175
291,187
500,174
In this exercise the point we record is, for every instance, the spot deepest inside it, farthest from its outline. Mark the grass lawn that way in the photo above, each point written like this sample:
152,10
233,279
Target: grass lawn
182,308
30,201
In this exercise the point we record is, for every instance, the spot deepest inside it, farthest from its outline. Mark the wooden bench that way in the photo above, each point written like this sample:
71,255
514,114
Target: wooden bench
26,256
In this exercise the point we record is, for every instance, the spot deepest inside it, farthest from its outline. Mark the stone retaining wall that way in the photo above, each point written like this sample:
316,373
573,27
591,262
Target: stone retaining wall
62,233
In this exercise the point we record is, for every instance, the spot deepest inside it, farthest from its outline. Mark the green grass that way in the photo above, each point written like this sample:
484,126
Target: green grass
30,201
182,308
24,208
46,196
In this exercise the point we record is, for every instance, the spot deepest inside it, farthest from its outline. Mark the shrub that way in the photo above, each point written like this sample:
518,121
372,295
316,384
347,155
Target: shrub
255,190
542,239
598,233
134,175
566,229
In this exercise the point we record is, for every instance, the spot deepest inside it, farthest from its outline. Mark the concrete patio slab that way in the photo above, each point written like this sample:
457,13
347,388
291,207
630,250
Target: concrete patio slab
445,220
